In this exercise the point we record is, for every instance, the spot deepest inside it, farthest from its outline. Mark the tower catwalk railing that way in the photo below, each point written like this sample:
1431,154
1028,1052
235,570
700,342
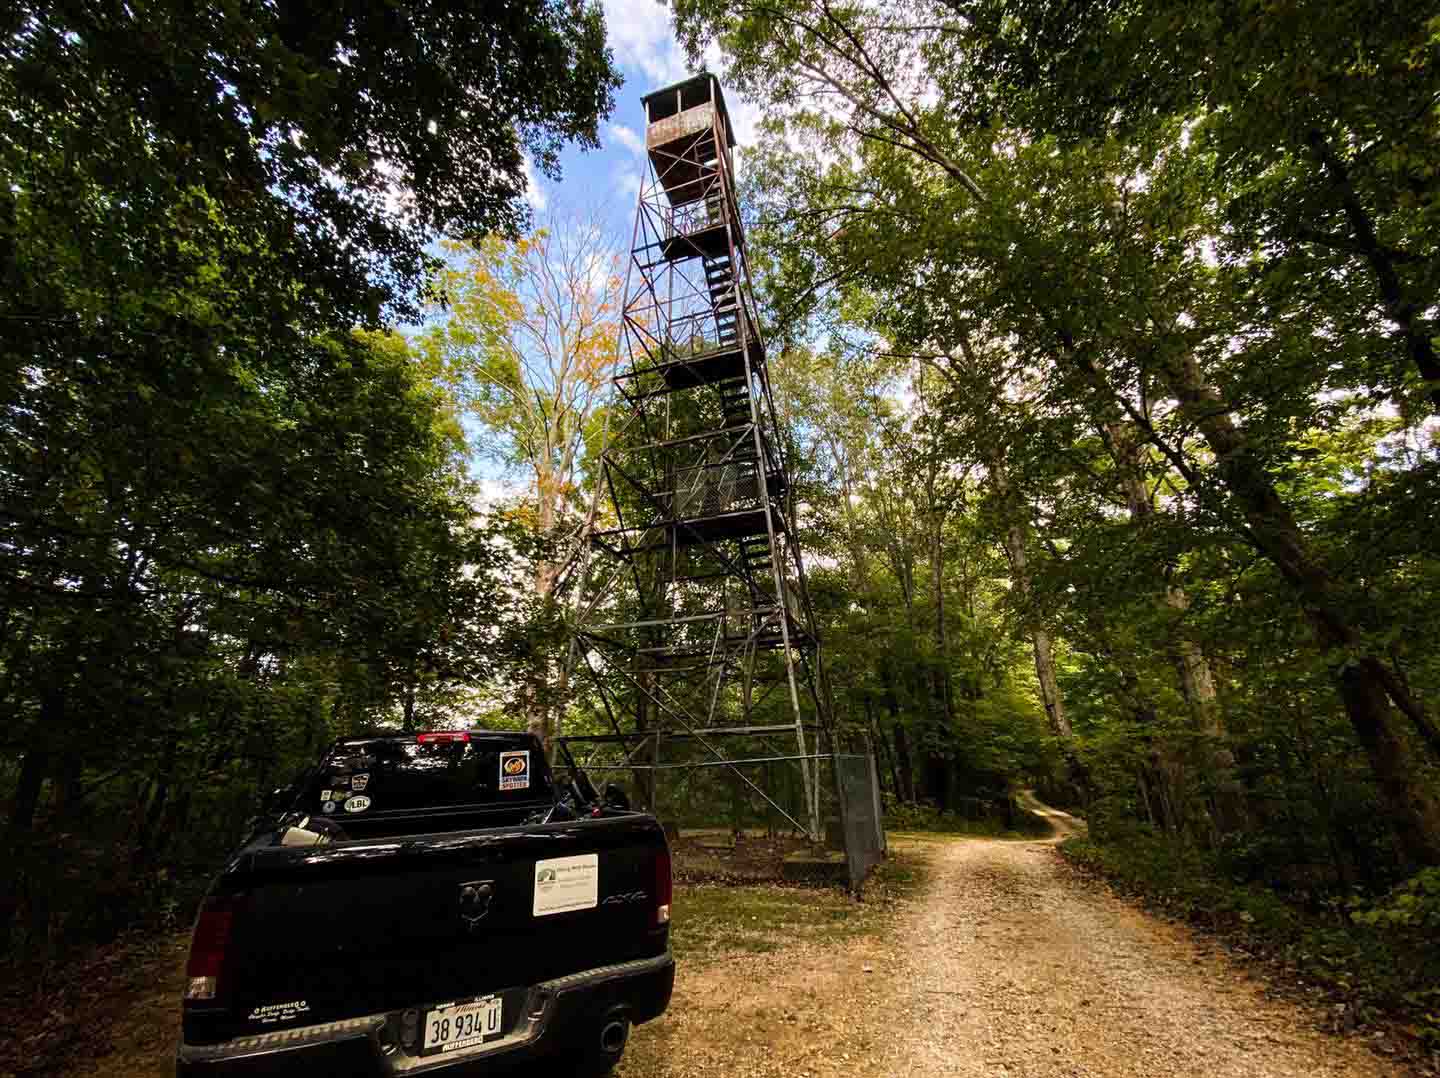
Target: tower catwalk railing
693,614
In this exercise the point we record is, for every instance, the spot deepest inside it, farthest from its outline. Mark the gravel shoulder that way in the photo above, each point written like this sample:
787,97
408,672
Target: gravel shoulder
1004,965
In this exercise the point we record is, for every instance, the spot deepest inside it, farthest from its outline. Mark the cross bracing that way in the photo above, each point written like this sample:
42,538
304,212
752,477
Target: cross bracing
693,618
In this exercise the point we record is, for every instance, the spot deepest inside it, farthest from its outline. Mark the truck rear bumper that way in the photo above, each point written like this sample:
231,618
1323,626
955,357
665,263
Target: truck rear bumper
558,1016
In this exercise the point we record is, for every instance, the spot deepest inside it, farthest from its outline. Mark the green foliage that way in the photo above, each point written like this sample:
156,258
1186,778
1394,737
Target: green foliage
1000,818
1414,906
1158,281
299,126
234,524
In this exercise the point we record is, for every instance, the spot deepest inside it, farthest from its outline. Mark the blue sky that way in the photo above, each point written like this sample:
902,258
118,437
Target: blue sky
607,180
643,40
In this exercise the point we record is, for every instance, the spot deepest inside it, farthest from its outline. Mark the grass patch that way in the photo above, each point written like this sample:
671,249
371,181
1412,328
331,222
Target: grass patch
712,920
1352,947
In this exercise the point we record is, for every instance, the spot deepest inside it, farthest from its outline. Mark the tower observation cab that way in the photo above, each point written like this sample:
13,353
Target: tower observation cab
693,620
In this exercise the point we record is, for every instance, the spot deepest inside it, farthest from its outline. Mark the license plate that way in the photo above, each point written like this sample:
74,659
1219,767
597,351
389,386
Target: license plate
461,1025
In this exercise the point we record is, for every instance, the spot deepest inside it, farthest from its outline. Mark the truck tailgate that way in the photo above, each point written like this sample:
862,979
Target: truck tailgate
363,927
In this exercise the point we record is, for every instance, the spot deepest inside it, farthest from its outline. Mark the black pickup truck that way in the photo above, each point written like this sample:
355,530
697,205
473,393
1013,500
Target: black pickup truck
432,904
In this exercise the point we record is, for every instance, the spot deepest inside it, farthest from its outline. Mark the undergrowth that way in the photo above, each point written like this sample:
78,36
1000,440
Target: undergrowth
992,821
1378,956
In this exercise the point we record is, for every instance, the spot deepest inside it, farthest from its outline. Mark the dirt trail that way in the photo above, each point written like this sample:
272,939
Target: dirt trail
1062,823
1006,965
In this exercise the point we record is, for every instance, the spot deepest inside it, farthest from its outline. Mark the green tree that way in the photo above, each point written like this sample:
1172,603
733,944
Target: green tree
229,525
1105,267
528,343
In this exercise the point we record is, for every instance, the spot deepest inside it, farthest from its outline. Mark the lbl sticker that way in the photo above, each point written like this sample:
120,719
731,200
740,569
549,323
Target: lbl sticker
357,804
515,770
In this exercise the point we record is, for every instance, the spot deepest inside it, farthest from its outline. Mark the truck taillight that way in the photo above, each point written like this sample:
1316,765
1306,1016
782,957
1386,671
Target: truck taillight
664,887
208,945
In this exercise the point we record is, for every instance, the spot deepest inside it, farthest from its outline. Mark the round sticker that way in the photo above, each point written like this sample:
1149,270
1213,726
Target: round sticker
357,804
514,765
328,806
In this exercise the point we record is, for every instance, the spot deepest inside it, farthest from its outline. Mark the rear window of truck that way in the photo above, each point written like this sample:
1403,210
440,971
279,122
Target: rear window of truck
415,773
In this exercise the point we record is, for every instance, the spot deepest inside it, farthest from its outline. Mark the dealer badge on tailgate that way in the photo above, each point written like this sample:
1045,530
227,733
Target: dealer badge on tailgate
565,884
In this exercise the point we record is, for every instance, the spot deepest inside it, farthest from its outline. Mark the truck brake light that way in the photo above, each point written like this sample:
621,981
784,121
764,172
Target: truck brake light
440,737
664,887
208,945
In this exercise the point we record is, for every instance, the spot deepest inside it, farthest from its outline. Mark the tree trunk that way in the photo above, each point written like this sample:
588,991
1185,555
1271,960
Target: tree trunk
1039,636
1415,333
1145,795
1416,813
1039,639
1049,687
409,701
937,585
539,703
1413,807
147,840
902,758
882,746
33,770
1197,683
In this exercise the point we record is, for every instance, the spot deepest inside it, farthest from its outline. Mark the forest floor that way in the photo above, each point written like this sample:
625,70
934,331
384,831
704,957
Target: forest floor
973,957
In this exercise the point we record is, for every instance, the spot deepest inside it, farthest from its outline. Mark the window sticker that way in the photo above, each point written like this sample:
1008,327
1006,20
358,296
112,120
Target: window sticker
563,884
325,795
359,782
358,803
515,770
328,806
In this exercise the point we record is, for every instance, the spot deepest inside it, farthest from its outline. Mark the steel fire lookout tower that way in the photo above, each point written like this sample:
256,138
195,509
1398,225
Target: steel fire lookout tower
693,620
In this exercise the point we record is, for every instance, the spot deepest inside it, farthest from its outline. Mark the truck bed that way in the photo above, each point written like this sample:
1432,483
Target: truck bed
388,922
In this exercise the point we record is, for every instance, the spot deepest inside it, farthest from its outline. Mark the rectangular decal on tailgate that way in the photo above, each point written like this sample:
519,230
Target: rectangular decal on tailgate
563,884
515,770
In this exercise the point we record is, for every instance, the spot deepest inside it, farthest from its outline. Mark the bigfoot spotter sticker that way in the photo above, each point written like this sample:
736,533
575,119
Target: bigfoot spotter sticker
515,770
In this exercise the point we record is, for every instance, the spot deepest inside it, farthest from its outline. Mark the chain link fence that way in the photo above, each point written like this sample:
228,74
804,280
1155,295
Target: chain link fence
858,793
746,798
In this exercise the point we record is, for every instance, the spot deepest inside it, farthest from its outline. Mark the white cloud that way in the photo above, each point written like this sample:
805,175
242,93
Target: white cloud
627,137
642,37
495,490
744,114
534,192
625,179
642,34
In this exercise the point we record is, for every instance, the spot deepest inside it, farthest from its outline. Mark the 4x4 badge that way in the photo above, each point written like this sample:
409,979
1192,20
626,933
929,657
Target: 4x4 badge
475,902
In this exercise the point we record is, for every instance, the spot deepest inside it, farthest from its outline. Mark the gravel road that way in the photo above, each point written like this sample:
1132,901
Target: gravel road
1006,965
